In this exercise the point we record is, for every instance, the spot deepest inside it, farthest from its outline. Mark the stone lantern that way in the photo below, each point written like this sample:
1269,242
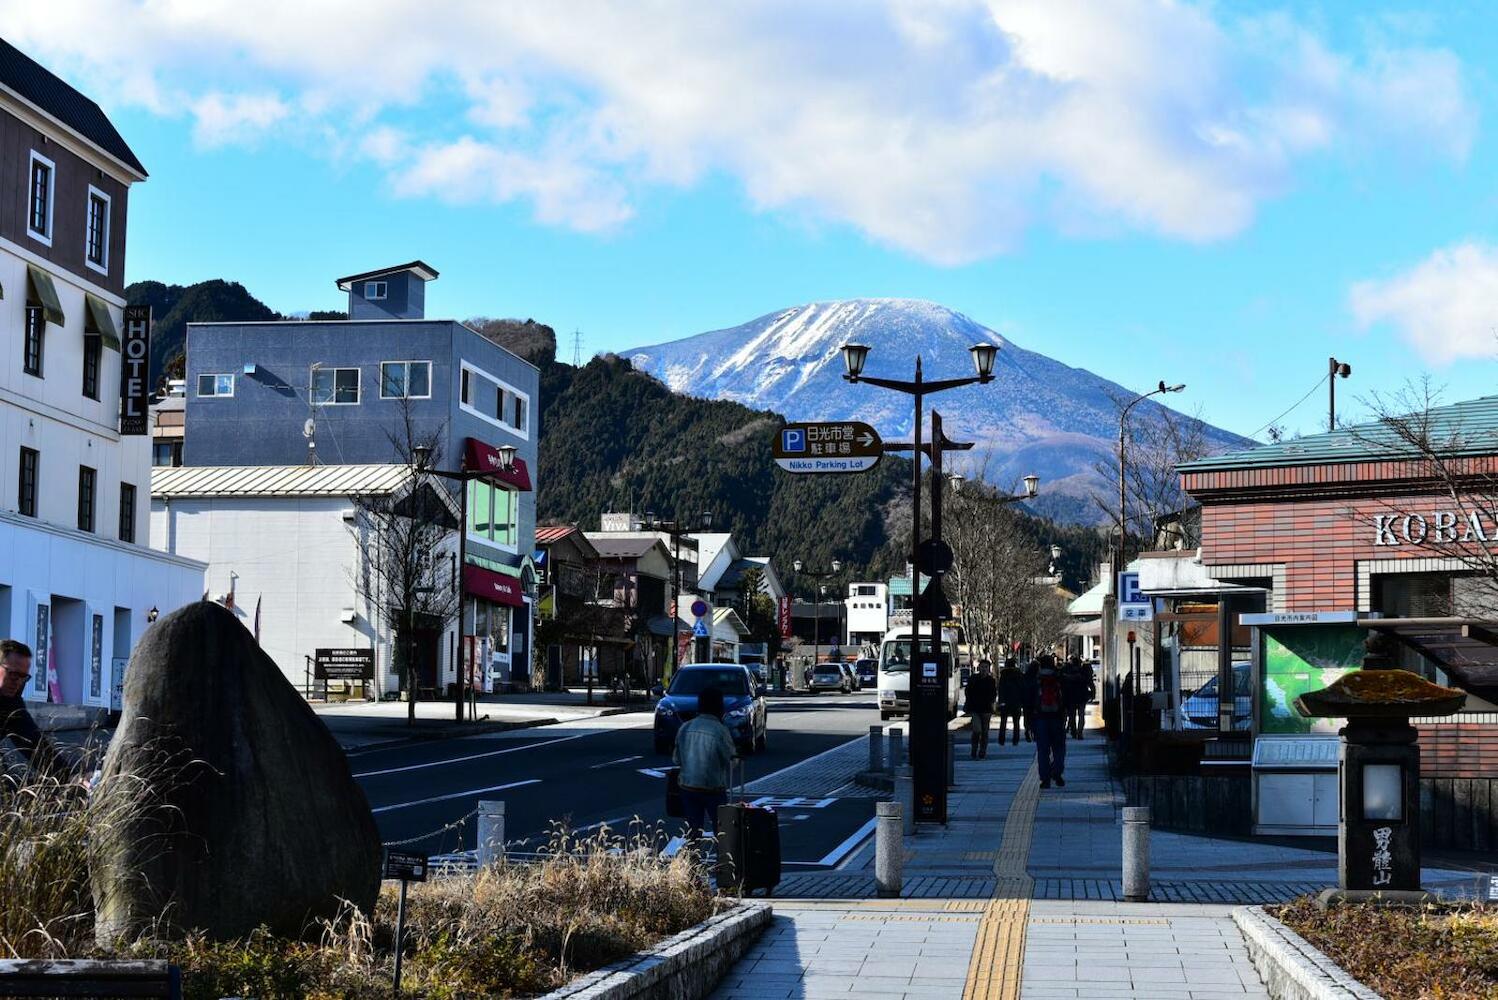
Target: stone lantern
1378,833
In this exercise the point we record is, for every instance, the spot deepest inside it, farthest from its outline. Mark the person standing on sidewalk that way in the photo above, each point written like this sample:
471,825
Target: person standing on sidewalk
704,749
1011,695
981,692
1076,690
1048,719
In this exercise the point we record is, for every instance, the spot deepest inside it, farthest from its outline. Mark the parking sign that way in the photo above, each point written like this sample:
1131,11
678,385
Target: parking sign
1133,604
793,439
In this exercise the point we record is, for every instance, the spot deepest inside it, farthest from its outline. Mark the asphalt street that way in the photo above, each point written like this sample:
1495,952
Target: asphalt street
594,771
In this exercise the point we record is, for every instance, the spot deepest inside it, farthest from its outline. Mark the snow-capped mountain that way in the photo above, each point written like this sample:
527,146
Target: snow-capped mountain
1038,416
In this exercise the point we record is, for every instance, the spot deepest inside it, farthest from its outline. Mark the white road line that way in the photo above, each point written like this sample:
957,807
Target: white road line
673,847
475,756
651,772
603,822
610,763
841,850
457,795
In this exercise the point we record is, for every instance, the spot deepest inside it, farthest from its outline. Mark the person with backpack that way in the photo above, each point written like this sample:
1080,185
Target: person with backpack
981,692
1011,688
1048,719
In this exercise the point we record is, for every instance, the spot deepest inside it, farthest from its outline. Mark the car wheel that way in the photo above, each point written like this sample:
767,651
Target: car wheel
884,716
761,740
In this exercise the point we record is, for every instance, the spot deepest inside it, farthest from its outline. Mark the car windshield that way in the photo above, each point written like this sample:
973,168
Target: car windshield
730,681
896,655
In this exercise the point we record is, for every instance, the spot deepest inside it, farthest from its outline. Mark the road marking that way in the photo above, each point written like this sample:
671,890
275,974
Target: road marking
673,847
457,795
651,772
603,822
841,850
995,971
475,756
609,763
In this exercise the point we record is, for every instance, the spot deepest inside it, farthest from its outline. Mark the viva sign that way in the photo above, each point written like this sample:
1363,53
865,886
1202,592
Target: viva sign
1438,528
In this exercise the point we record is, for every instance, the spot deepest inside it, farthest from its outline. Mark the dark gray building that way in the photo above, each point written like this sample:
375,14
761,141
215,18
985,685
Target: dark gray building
341,392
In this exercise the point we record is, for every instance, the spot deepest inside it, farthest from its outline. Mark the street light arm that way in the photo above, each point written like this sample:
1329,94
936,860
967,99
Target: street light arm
923,388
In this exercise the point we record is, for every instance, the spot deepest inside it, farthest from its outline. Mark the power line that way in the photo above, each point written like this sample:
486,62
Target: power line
1319,383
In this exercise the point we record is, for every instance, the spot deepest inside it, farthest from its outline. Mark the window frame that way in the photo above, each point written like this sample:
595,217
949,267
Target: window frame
43,237
384,291
486,506
215,394
102,264
88,477
93,361
407,383
312,374
34,330
127,513
25,499
466,405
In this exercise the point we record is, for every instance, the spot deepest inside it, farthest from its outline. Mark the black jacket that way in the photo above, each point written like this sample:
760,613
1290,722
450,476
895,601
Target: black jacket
20,728
1011,688
981,691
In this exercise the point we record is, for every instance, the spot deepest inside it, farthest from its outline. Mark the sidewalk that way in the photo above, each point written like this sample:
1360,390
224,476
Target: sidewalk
367,725
1018,897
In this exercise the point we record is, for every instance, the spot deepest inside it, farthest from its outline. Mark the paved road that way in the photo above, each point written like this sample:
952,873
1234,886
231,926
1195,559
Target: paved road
590,771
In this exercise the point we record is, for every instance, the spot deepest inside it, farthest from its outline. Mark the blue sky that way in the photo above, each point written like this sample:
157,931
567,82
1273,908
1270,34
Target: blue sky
1219,194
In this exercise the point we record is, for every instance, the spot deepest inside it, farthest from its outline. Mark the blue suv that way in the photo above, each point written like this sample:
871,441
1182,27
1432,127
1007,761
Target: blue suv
744,710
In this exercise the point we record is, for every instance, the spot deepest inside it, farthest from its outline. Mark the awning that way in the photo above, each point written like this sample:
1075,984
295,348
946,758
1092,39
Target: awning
46,293
99,321
481,457
1084,628
660,625
1466,648
492,586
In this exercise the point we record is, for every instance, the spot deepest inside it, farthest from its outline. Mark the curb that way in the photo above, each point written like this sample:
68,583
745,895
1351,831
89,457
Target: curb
1292,967
686,966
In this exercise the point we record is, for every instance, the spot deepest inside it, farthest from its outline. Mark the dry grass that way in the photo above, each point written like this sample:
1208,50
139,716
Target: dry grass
512,930
1406,953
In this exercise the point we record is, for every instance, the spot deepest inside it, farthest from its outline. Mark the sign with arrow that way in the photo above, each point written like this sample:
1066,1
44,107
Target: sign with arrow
843,446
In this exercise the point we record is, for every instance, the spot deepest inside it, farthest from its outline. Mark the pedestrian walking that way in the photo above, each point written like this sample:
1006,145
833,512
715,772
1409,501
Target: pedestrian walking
16,723
1011,695
1077,689
705,752
1049,720
982,689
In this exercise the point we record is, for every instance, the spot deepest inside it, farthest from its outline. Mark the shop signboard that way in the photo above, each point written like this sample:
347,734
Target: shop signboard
343,664
1299,659
785,617
135,361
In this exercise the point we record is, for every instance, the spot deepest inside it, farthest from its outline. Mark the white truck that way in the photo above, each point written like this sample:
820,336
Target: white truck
894,672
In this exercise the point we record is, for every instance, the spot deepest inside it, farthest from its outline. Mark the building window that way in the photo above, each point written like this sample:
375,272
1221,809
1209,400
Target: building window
374,290
127,512
499,406
492,510
519,421
335,386
86,479
511,407
166,454
93,350
33,335
405,380
26,493
215,385
96,231
39,214
463,390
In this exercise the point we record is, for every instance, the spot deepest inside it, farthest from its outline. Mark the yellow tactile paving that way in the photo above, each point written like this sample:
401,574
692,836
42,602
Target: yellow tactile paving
998,959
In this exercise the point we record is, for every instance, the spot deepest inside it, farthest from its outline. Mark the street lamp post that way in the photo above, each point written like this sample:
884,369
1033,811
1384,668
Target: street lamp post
929,746
420,455
817,593
1334,370
676,528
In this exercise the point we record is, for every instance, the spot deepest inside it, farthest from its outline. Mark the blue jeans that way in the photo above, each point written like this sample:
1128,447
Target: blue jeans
699,804
1050,743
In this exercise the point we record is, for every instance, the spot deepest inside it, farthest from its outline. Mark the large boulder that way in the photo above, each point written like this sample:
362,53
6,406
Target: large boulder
240,808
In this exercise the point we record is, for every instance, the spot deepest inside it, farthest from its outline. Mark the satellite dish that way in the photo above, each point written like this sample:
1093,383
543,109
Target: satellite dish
309,428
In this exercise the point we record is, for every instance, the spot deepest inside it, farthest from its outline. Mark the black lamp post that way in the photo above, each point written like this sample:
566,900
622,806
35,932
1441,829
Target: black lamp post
420,455
676,528
1334,370
817,593
928,695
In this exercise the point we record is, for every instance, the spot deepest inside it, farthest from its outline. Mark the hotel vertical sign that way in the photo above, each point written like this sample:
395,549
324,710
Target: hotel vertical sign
135,371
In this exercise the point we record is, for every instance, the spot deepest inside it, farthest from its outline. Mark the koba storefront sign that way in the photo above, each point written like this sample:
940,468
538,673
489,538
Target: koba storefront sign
1437,528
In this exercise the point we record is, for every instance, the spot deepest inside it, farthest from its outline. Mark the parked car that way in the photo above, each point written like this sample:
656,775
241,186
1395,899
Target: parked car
745,712
1199,709
830,677
867,671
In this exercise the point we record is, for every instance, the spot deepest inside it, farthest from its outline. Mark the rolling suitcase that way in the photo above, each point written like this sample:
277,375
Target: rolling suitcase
748,846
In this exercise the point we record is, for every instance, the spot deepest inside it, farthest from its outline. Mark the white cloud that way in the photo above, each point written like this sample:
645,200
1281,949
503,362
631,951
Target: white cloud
1446,306
942,127
235,119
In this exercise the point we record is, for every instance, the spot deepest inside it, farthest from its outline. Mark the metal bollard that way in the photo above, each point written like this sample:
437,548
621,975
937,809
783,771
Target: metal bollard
1136,853
876,748
889,849
896,748
905,796
491,832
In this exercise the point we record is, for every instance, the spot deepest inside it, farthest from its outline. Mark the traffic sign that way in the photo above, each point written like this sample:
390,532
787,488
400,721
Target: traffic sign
842,446
933,557
1133,604
699,608
700,629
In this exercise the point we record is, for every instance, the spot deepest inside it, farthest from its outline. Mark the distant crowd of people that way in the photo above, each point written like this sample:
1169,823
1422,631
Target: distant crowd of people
1047,701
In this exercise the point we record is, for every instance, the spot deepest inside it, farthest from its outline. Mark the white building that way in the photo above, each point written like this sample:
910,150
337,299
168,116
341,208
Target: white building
868,614
283,549
78,582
